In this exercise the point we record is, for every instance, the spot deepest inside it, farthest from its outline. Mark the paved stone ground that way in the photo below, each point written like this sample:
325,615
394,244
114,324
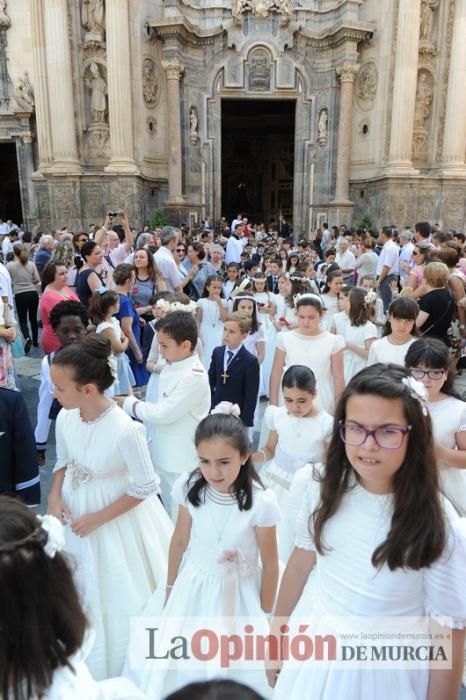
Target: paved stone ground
29,371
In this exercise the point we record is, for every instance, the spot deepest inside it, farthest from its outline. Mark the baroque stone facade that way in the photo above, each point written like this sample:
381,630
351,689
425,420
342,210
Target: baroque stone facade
117,104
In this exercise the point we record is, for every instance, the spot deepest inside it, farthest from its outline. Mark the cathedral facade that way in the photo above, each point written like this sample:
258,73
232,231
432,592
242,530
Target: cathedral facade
315,110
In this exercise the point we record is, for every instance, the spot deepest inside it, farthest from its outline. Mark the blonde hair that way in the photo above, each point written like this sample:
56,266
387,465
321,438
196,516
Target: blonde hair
244,322
436,274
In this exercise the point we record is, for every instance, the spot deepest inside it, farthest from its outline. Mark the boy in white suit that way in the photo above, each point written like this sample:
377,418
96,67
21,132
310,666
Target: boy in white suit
184,400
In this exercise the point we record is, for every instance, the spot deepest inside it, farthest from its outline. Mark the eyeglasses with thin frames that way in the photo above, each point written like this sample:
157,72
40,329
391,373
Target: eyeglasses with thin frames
388,437
431,373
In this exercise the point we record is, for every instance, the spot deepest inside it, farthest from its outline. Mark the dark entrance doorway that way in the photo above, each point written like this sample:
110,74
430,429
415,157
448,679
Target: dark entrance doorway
258,159
10,197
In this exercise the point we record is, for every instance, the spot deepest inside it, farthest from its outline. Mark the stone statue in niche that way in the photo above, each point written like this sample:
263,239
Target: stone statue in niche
428,8
367,84
259,71
24,90
149,82
323,127
193,124
5,21
98,88
424,97
93,18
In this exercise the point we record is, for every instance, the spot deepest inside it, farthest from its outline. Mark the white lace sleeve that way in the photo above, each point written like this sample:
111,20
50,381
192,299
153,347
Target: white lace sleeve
444,586
133,445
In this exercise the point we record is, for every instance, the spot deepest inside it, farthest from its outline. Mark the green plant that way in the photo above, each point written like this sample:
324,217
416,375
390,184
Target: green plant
158,219
366,222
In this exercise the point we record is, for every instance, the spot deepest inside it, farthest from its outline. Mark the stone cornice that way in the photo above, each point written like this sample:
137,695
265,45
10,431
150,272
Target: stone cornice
168,27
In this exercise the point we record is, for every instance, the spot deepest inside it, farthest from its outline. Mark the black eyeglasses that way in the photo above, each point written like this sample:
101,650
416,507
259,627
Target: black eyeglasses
431,373
389,437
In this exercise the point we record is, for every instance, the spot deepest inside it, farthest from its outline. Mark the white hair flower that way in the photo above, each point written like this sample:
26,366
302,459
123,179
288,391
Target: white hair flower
417,391
113,365
55,534
370,298
227,409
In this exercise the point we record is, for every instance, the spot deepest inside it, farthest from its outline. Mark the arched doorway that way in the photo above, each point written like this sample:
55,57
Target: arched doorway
10,194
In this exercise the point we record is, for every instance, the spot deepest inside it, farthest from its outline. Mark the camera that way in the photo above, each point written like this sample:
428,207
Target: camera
114,213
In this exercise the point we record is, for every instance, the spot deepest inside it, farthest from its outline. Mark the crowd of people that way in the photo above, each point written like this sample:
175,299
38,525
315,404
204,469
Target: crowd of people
248,426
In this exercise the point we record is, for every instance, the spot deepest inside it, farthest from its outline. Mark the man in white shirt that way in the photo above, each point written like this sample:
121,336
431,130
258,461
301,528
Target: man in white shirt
406,254
346,260
8,243
234,246
4,228
165,260
235,222
325,237
387,267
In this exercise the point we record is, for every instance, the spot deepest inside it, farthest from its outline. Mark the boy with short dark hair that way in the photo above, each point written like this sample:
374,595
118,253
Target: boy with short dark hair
184,400
234,371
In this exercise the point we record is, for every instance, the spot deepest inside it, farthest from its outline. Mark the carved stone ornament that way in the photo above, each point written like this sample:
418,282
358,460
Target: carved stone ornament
259,70
98,87
347,72
262,8
193,124
428,8
5,21
150,87
323,127
93,19
366,86
174,69
25,92
424,97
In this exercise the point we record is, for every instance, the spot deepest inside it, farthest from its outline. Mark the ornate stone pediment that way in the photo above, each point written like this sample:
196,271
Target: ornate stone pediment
262,8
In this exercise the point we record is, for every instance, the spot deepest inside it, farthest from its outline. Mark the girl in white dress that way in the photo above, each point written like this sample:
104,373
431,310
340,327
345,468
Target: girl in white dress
105,488
353,324
298,434
103,305
36,579
313,347
330,295
398,334
428,360
369,284
211,313
223,554
376,540
266,307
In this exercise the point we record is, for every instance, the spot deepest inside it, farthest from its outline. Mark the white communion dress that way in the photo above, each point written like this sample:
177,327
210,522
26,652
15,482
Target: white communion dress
357,335
345,583
449,417
270,337
382,350
211,328
125,560
300,440
219,576
315,352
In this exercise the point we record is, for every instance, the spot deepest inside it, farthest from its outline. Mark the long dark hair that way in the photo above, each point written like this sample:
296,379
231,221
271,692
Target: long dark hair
299,285
433,354
232,430
41,619
247,296
402,307
417,534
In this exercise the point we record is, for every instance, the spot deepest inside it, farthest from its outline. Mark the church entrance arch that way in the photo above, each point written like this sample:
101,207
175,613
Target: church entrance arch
258,144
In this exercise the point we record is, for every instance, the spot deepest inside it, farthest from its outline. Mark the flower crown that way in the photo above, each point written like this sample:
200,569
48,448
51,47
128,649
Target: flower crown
50,534
171,306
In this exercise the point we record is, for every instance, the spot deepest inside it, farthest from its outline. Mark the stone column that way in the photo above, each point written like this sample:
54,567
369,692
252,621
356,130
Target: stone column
60,88
404,87
28,172
41,99
454,138
120,103
346,73
174,69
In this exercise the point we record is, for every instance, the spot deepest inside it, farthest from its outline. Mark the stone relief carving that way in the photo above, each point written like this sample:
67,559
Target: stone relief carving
262,8
93,18
5,21
424,97
98,87
428,8
323,127
193,124
24,91
366,87
150,86
259,70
